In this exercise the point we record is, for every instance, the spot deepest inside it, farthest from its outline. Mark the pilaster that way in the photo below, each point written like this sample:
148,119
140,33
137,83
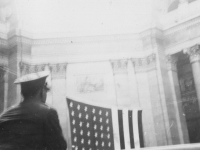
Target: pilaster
121,82
58,79
144,96
133,84
5,89
159,80
147,66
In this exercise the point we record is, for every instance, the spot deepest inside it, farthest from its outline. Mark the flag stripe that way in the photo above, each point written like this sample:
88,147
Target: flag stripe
126,129
135,129
121,131
140,128
116,128
131,129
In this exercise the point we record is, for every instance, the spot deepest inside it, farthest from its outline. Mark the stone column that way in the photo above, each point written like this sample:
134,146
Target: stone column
5,90
1,89
142,66
58,93
133,85
176,95
194,53
14,90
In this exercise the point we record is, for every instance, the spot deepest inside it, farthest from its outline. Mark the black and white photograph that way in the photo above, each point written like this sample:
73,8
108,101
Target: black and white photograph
99,74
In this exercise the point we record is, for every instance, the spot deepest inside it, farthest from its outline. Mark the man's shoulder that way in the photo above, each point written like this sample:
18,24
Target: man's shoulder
48,107
10,109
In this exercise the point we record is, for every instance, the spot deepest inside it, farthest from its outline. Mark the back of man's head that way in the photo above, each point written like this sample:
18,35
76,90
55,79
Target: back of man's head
31,88
32,83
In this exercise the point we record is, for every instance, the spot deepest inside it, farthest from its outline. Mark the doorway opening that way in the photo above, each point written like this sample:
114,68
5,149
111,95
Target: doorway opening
189,97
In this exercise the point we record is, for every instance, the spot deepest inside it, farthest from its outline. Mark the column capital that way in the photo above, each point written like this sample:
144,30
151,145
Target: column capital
171,62
193,52
144,64
119,66
28,68
58,70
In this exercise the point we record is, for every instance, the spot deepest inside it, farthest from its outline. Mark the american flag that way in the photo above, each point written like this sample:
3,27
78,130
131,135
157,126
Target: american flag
100,128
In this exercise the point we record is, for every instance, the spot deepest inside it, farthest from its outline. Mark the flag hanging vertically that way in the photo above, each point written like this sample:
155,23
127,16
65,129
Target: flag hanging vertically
91,127
100,128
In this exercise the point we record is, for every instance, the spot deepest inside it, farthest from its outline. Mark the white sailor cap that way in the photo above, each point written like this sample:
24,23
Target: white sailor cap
31,77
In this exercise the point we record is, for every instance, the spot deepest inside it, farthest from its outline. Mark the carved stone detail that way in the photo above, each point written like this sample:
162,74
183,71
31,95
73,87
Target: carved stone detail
27,68
119,66
56,69
194,53
144,64
5,12
171,62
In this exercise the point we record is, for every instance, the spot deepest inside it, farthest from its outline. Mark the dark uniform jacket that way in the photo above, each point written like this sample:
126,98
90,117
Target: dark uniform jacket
31,126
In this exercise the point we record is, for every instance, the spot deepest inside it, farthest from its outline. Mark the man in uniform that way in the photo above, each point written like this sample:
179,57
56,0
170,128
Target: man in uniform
31,125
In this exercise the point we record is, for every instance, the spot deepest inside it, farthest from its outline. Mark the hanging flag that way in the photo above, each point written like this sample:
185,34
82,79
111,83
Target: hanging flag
100,128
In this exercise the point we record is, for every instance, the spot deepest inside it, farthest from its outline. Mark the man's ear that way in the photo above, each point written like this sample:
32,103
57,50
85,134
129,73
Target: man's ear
40,92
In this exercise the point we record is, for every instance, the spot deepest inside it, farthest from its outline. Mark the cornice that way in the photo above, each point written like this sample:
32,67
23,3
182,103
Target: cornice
19,39
182,26
154,31
151,38
14,41
85,39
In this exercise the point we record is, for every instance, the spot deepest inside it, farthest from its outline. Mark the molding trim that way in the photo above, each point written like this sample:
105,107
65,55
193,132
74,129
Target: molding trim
85,39
19,39
179,27
29,40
